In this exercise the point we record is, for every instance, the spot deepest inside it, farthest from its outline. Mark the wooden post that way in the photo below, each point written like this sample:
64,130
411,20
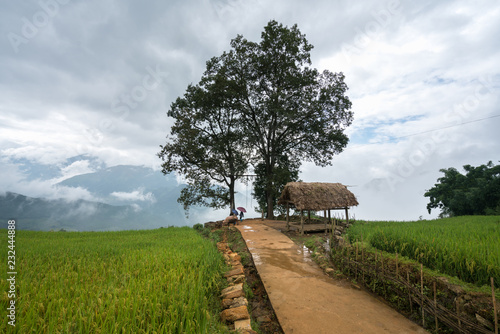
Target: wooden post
383,273
494,304
330,220
397,267
309,216
356,266
346,215
362,257
301,222
324,216
422,292
409,293
287,216
435,306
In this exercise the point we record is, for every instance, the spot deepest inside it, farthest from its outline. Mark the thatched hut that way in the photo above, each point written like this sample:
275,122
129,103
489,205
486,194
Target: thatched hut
316,196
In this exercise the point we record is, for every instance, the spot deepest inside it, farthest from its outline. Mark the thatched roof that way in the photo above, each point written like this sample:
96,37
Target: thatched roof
317,196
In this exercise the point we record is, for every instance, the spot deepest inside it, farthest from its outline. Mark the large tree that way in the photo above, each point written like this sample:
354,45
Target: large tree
286,107
205,142
477,192
272,104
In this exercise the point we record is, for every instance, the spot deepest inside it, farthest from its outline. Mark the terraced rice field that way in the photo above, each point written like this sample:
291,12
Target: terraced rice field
467,247
151,281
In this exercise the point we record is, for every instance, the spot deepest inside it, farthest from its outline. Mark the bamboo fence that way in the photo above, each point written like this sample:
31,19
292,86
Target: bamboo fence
371,270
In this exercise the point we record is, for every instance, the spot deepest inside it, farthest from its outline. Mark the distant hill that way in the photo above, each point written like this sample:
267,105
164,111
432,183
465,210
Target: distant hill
44,215
122,197
121,179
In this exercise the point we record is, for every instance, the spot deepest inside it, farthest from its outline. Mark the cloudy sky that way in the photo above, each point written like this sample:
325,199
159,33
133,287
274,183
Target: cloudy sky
97,77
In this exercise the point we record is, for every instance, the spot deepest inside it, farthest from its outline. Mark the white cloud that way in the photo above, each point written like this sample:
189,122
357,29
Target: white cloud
136,195
416,68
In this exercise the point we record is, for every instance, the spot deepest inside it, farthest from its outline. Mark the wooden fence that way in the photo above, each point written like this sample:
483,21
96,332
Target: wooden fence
409,285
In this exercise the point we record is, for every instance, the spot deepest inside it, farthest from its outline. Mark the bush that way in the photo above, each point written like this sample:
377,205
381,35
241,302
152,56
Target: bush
198,227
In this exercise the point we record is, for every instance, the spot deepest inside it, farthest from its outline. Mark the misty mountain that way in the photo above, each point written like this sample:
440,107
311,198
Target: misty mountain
108,183
121,197
43,215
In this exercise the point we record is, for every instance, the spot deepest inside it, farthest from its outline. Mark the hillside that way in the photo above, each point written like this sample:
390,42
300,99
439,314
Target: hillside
43,215
115,198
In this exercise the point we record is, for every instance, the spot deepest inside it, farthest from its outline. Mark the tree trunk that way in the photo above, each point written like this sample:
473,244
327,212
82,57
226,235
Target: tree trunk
270,206
231,195
269,190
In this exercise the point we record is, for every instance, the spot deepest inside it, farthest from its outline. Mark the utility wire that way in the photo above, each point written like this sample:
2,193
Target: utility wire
427,131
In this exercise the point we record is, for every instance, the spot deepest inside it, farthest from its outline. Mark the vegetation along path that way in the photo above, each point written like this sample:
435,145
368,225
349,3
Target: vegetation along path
308,301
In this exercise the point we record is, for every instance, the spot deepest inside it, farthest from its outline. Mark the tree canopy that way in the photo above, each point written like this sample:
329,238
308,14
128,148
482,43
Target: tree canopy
269,109
205,143
477,192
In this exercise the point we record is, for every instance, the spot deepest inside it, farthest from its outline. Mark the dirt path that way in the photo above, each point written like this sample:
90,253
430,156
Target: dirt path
305,299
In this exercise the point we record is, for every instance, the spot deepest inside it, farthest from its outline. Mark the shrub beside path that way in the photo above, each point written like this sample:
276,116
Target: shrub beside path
306,300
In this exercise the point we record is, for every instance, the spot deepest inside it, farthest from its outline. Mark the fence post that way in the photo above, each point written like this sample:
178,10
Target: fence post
356,266
435,306
422,292
383,274
494,304
397,267
409,291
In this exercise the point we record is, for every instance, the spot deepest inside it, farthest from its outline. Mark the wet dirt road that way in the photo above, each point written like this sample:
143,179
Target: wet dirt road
306,300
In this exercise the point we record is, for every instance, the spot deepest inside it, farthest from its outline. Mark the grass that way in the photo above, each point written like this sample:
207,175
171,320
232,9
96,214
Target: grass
466,247
163,281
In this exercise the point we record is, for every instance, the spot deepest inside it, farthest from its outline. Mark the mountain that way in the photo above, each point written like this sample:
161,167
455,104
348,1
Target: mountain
44,215
140,187
108,183
118,197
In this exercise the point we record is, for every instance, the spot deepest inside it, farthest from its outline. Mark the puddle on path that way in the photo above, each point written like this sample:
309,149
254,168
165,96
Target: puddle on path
295,263
305,252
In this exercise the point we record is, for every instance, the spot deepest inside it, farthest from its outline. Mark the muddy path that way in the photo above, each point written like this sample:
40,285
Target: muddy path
306,300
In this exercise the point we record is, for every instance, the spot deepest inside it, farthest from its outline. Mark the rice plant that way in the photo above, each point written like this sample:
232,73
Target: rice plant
150,281
467,247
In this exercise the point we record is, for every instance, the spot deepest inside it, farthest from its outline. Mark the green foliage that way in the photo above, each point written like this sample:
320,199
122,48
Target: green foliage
287,107
286,171
198,227
267,106
475,193
467,247
164,281
205,142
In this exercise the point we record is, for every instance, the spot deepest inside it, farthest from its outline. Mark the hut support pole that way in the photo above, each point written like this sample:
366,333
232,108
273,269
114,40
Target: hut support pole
346,215
301,222
287,216
324,216
330,220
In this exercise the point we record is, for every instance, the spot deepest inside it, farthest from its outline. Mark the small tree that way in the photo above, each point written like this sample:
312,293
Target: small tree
475,193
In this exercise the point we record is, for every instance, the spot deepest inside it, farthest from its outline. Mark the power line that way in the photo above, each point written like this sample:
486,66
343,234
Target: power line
427,131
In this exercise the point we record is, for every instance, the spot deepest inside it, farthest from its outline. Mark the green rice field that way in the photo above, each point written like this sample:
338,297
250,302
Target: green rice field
150,281
466,247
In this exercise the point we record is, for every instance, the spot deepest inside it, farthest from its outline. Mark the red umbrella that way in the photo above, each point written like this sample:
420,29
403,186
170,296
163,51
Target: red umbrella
241,209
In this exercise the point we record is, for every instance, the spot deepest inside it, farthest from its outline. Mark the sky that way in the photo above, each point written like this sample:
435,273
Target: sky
97,78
